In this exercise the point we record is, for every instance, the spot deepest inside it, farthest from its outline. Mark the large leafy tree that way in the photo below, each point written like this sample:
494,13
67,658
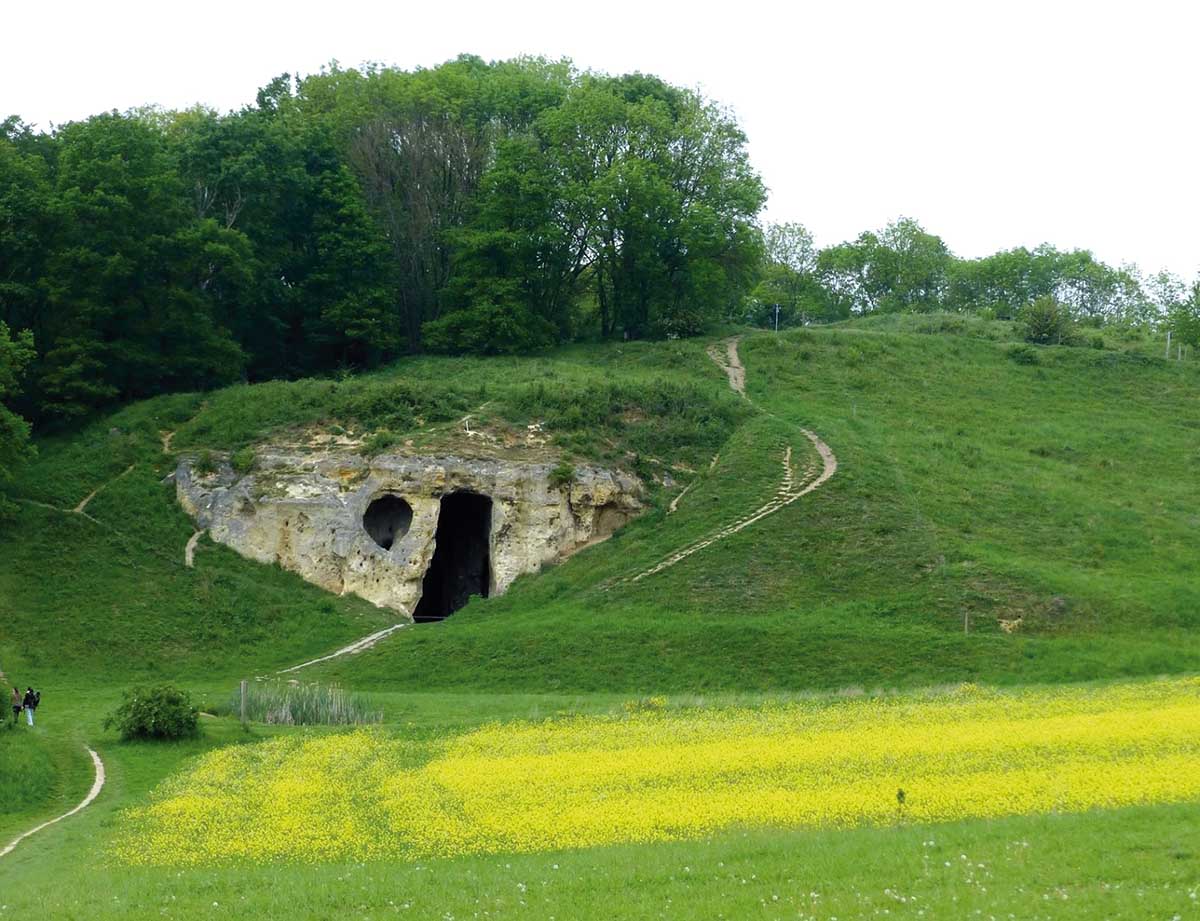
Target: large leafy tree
1087,289
129,313
1003,283
901,268
789,290
517,263
319,292
1184,316
15,353
28,226
628,193
420,148
656,181
1091,290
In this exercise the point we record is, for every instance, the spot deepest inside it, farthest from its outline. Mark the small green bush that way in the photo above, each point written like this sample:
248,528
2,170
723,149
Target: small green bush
1024,355
1045,322
243,460
379,442
206,463
162,712
562,475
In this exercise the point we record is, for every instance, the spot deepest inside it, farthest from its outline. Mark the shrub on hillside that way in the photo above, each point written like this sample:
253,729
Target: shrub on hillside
160,712
489,326
206,464
242,460
562,475
1046,323
378,442
396,405
1023,355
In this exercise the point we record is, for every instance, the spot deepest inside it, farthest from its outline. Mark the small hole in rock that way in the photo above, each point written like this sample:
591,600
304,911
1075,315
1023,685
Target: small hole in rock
387,519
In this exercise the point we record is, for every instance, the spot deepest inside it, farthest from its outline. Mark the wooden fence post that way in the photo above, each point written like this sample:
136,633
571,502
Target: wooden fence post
244,683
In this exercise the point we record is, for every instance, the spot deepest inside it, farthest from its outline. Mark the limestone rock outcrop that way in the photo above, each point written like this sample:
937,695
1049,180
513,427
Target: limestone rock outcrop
349,523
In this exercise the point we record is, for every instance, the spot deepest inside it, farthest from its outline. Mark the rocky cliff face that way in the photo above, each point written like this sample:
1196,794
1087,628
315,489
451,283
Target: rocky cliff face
371,526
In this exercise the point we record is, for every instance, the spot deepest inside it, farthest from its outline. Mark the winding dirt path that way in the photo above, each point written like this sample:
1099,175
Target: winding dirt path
726,356
83,503
97,786
81,508
674,506
357,646
789,490
189,551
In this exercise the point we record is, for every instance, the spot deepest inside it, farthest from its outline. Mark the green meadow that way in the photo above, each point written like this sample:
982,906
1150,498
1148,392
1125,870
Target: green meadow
1002,514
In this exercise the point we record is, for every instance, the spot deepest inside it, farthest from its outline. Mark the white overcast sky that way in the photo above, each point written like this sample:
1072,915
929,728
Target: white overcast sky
995,124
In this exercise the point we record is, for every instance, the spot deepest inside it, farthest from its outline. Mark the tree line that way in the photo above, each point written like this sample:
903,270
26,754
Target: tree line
354,215
905,269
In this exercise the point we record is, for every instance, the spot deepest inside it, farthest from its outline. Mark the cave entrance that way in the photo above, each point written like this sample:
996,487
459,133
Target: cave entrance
387,519
461,564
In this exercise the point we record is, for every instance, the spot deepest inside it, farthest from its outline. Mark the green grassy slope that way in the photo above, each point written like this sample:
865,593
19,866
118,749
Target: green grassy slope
42,773
1064,490
105,595
974,486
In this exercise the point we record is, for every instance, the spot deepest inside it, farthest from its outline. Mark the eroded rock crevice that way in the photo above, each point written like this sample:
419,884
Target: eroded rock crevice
419,534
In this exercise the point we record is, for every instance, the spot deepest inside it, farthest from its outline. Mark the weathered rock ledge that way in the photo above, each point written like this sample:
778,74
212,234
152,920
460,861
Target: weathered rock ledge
305,511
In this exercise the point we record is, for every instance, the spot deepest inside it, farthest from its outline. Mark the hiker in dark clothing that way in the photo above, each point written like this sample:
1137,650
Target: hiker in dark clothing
16,704
31,701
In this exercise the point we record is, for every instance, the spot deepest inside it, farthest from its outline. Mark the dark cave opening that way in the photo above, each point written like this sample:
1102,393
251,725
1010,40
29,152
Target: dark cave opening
461,564
387,519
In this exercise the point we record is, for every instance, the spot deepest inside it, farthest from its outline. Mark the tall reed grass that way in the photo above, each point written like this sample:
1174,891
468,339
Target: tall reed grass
289,703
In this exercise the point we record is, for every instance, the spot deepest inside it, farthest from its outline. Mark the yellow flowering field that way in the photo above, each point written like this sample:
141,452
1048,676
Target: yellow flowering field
664,774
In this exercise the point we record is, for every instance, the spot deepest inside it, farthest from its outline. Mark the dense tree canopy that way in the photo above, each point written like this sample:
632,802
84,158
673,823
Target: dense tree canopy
15,354
355,214
352,215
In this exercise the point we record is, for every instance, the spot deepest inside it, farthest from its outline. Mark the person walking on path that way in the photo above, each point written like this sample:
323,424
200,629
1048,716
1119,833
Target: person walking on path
31,701
16,704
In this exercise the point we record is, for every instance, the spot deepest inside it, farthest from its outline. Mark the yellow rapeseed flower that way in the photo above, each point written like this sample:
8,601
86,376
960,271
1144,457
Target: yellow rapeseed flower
654,774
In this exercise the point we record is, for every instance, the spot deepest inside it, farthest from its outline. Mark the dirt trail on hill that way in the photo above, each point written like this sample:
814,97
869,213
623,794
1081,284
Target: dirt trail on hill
726,356
790,486
98,782
83,503
357,646
189,550
97,786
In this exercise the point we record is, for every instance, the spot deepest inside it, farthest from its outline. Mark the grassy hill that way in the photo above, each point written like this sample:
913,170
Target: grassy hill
122,602
979,481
